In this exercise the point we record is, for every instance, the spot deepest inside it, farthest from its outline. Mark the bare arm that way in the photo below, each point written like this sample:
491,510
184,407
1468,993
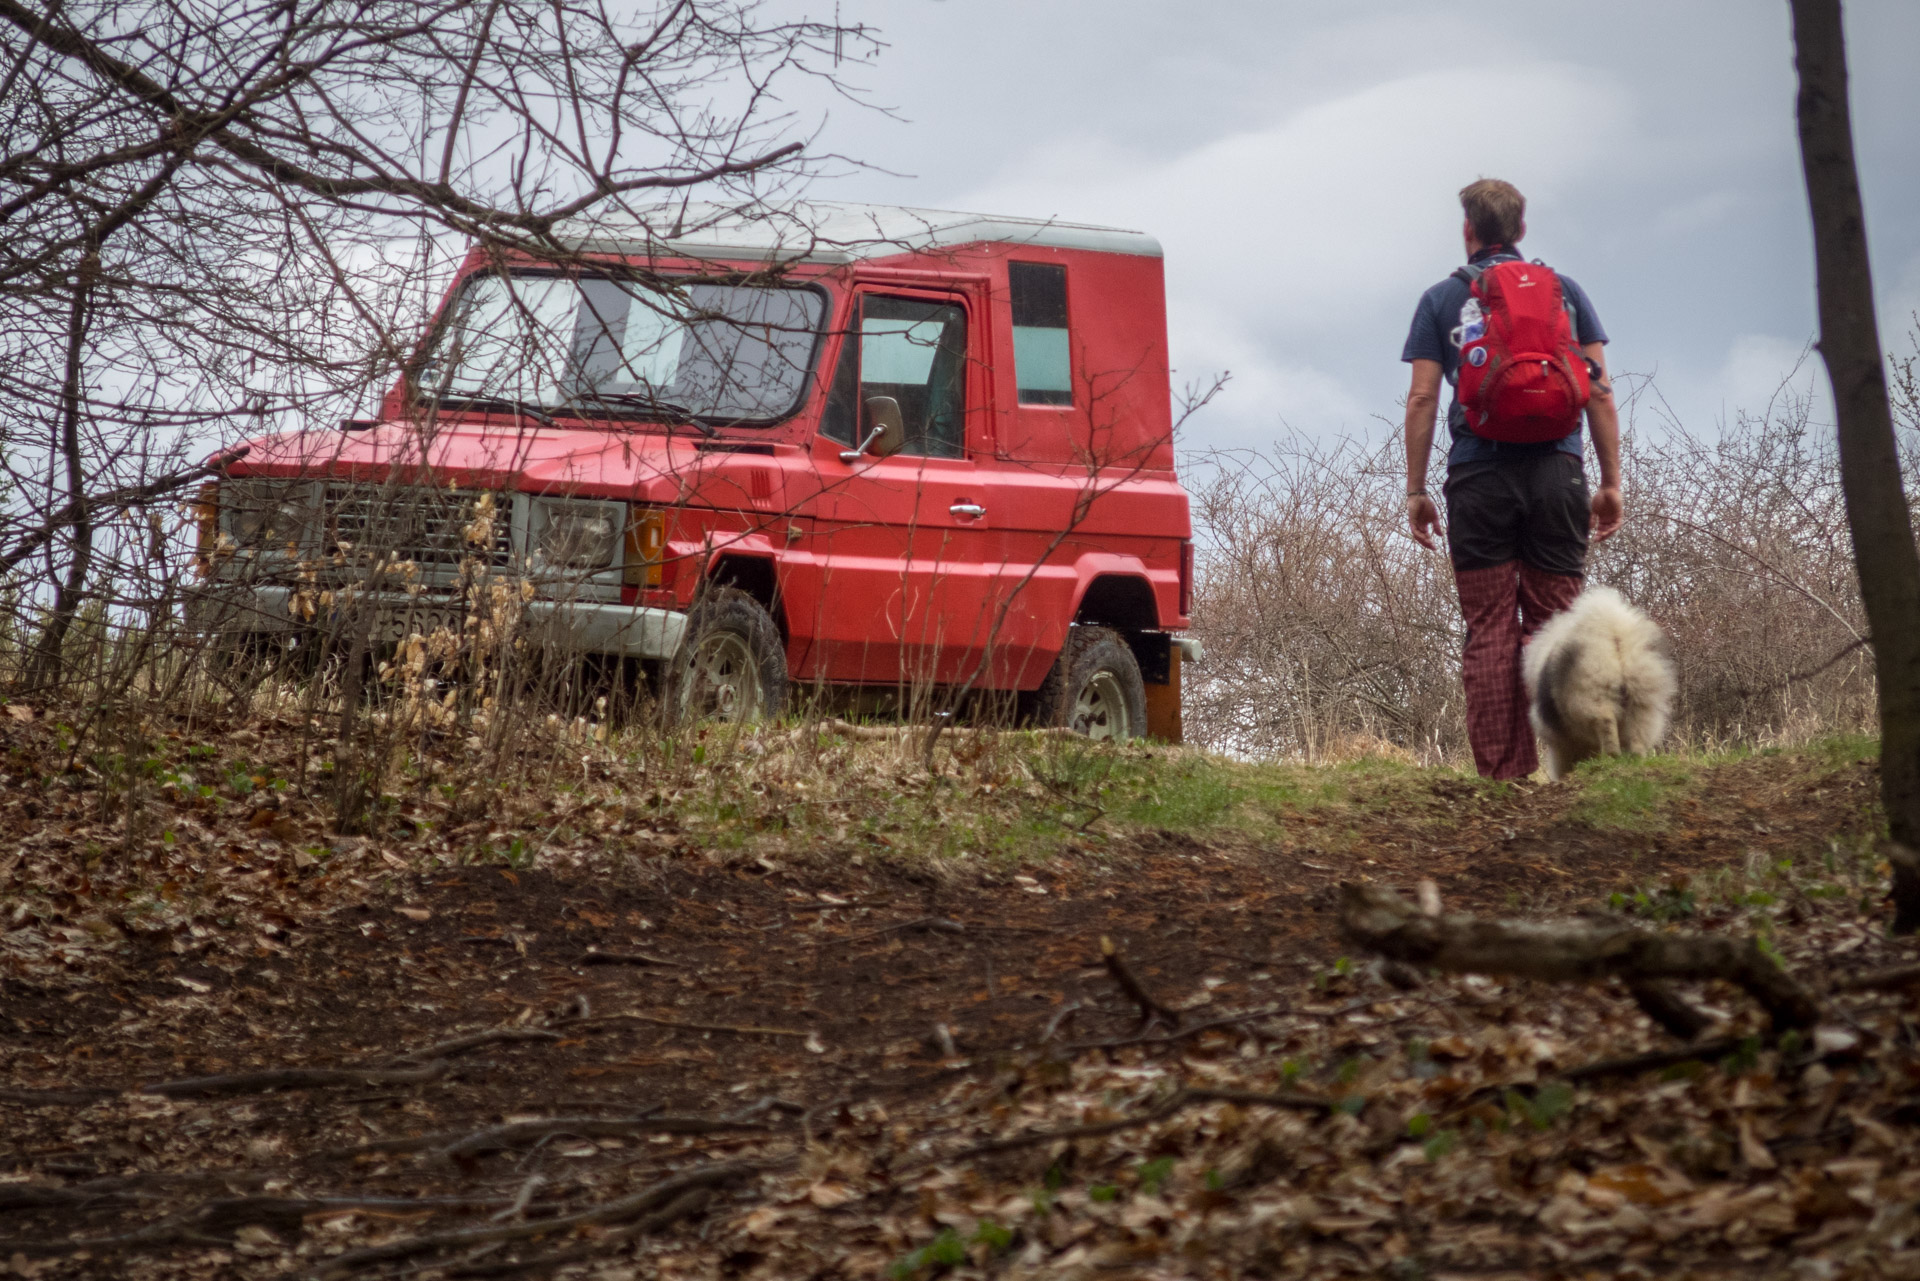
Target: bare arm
1603,420
1423,402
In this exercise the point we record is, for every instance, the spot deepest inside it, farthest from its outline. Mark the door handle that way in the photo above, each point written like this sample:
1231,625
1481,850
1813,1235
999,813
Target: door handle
968,509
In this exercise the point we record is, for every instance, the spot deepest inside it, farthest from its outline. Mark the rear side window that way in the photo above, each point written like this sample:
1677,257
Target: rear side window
1041,363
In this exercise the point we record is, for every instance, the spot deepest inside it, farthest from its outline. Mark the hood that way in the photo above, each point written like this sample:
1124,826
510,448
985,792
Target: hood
650,466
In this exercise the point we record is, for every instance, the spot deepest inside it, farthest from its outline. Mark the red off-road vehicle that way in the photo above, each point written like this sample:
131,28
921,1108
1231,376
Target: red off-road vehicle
865,448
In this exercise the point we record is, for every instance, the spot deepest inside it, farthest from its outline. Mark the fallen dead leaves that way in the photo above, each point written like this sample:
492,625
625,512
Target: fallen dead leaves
1442,1130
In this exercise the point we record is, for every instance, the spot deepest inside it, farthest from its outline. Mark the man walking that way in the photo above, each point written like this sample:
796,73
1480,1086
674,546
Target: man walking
1518,511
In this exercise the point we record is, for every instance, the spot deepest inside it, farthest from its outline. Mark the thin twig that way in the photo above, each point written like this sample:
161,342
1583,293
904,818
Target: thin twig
608,1020
1059,1019
520,1133
1181,1034
593,956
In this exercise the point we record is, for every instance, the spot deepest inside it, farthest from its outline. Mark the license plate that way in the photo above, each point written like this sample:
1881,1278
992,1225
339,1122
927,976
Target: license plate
392,625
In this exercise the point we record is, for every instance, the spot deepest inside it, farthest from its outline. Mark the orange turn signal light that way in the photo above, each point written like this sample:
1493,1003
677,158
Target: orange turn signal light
646,550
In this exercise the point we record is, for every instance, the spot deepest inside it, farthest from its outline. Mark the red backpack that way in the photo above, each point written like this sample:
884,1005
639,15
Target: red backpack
1523,379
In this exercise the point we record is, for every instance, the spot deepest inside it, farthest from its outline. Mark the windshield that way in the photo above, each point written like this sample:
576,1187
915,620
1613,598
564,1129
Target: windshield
724,353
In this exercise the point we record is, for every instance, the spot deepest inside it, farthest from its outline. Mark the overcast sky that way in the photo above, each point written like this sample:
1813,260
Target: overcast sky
1299,160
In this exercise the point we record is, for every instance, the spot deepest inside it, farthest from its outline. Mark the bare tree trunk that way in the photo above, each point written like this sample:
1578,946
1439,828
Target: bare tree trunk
66,601
1883,545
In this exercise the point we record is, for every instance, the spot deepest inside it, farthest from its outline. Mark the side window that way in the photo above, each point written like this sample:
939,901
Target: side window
916,352
1042,366
843,404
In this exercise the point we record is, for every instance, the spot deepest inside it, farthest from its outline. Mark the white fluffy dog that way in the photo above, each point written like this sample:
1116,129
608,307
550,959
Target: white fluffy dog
1598,681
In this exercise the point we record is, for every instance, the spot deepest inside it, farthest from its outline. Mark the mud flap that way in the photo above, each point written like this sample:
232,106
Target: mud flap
1163,701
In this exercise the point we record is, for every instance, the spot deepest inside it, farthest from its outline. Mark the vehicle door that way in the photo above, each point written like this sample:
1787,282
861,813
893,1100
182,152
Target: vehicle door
907,575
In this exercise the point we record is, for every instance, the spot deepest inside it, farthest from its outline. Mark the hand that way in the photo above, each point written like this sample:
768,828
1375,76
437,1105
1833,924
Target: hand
1423,516
1606,518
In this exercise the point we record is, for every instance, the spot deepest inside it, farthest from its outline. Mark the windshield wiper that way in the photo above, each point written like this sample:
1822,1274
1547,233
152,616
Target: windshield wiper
526,407
665,408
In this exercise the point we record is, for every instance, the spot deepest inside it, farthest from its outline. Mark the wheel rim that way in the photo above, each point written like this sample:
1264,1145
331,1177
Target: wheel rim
723,681
1101,709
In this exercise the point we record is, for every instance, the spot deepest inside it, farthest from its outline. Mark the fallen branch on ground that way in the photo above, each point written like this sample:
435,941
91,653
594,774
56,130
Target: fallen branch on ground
690,1202
211,1087
201,1223
461,1044
1151,1010
1891,978
1653,1061
666,1190
1567,951
1659,1002
49,1098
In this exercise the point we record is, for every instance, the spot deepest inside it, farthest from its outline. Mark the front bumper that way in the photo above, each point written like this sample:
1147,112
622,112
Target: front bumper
593,627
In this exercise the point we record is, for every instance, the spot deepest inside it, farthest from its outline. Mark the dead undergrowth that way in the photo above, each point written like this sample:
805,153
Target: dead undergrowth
790,1005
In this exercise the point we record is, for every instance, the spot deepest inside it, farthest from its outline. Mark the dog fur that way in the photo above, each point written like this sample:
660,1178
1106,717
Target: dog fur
1599,682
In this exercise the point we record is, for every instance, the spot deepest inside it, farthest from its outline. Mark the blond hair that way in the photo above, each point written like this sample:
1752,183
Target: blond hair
1495,210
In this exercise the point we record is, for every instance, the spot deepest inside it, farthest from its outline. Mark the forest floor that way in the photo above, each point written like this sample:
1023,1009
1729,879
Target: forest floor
794,1005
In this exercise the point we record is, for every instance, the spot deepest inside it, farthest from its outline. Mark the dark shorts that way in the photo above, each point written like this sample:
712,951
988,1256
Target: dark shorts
1531,509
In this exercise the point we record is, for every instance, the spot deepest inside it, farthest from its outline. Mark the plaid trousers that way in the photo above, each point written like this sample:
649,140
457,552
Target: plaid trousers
1503,606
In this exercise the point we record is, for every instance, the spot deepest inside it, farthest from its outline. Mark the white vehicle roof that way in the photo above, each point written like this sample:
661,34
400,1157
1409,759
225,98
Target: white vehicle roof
827,231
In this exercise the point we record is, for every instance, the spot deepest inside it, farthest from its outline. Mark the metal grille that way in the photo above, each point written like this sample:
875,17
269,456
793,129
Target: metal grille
417,523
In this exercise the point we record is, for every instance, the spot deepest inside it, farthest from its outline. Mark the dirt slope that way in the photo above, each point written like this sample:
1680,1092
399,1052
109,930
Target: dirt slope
766,996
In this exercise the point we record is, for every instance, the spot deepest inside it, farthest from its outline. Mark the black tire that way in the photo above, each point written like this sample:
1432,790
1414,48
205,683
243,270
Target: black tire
1095,687
731,666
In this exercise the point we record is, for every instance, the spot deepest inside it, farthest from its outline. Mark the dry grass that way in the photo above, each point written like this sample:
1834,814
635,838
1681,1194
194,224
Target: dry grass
1323,621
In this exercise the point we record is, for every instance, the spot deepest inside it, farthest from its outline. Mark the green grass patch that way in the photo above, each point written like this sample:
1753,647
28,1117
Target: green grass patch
1842,751
1631,793
1019,798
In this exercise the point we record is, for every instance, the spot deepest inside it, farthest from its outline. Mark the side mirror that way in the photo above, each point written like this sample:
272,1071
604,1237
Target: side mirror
889,431
886,434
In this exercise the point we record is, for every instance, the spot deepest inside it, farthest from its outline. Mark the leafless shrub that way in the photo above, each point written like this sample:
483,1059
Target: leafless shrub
1321,619
1325,625
225,221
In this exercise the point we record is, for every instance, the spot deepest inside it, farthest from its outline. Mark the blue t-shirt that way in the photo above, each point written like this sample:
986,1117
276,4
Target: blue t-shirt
1431,338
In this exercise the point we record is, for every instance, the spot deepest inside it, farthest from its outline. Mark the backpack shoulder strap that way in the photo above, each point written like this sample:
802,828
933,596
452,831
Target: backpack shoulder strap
1472,272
